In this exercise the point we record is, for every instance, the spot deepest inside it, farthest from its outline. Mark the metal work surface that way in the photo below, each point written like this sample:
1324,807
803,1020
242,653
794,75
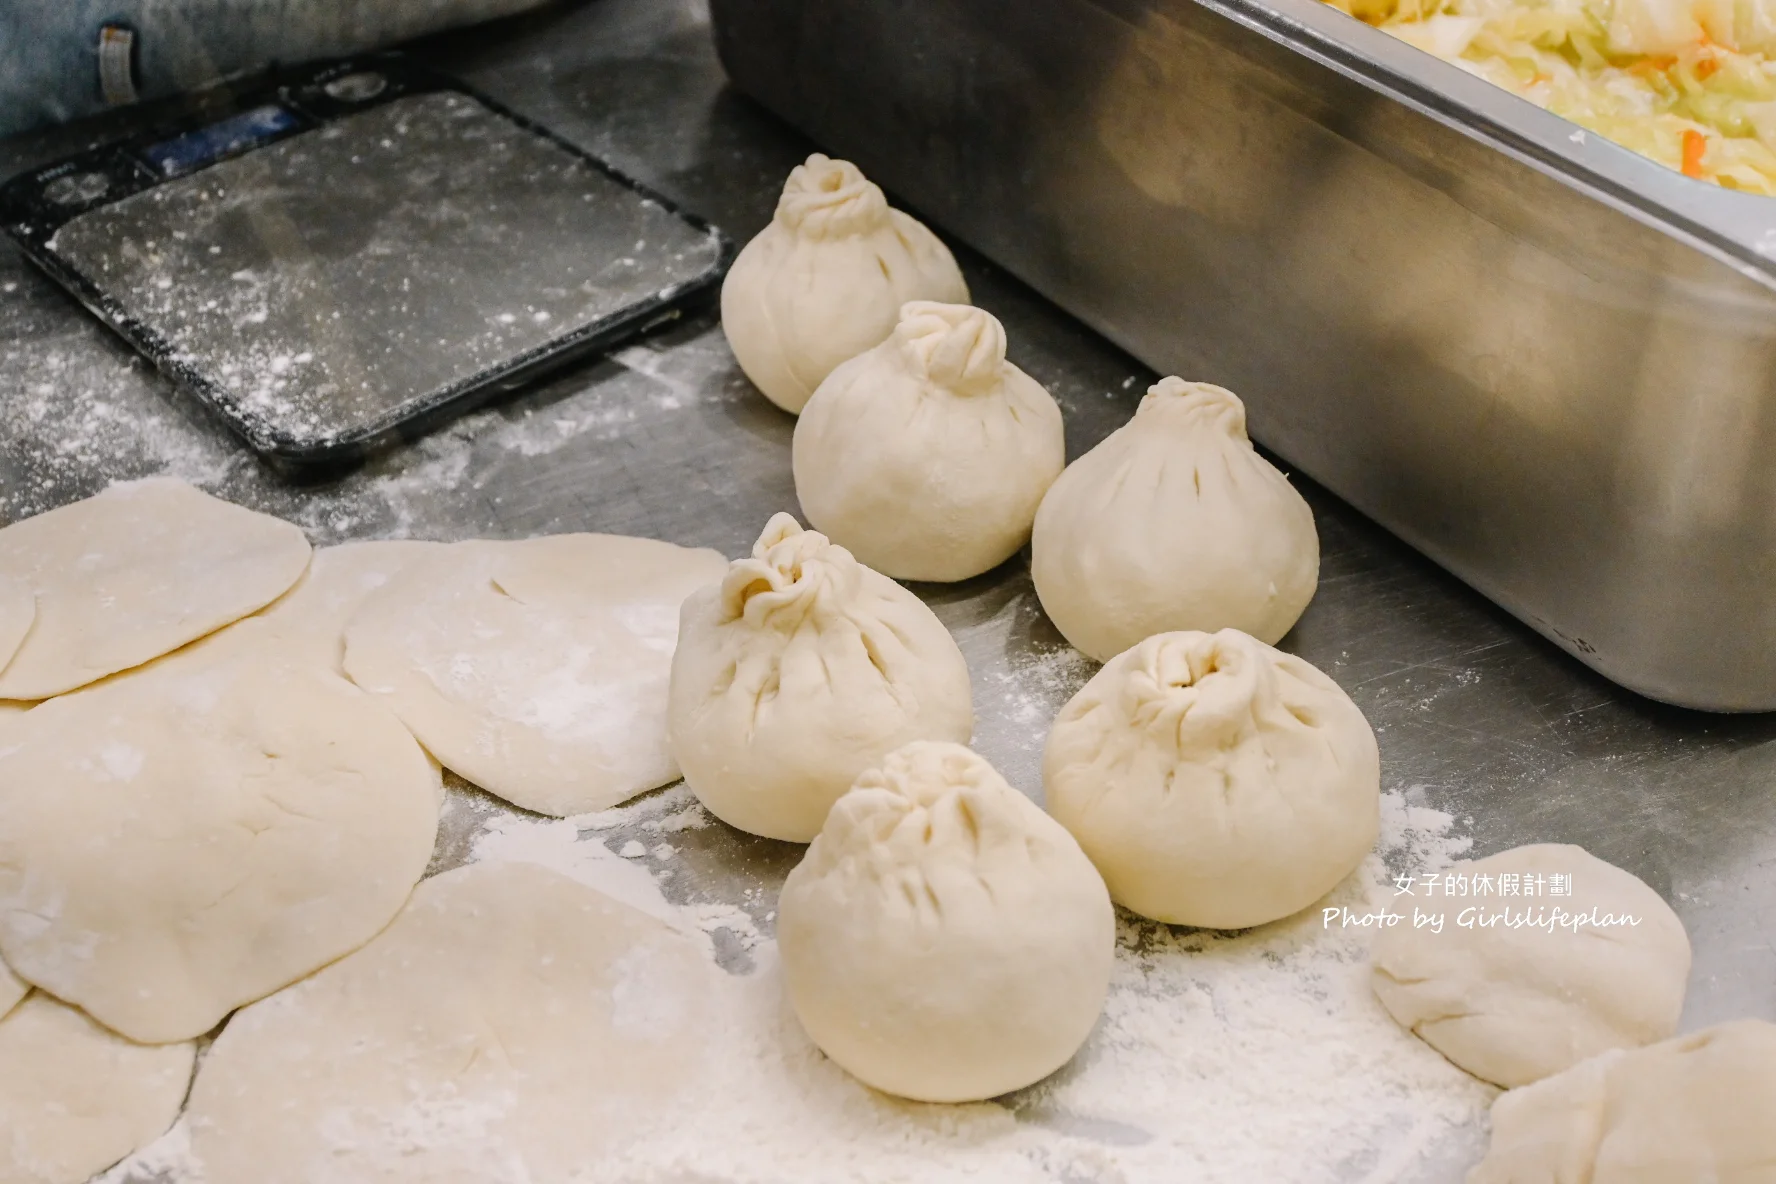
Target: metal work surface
1547,362
1476,715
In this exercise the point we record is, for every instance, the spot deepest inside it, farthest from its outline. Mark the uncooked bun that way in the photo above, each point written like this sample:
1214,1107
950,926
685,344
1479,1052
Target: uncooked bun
944,939
928,455
826,279
1513,1005
1688,1111
1214,780
1173,522
796,672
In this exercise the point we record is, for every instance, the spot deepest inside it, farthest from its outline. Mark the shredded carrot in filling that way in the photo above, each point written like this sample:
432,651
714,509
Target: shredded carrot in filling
1694,145
1688,83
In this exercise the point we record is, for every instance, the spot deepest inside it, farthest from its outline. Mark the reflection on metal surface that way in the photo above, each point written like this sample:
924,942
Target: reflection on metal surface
1536,360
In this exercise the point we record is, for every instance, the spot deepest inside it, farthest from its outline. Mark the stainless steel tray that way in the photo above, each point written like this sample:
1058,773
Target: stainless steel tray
1548,363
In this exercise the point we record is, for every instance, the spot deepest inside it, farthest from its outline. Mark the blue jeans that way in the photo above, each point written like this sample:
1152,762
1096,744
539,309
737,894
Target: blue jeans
53,66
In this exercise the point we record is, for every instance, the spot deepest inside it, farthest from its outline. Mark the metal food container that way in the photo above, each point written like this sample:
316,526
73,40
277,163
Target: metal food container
1545,361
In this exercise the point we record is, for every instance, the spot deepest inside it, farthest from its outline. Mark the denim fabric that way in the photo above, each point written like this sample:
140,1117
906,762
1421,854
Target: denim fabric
49,62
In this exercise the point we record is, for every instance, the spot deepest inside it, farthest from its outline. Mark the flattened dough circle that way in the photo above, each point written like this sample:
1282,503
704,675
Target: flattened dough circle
12,989
193,836
536,669
75,1098
338,581
511,1024
18,610
134,573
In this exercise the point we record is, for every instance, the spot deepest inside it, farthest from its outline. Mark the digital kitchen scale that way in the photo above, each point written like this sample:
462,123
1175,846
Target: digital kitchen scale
353,254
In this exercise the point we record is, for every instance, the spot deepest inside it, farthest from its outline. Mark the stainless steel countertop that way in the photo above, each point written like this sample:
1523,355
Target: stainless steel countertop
1476,715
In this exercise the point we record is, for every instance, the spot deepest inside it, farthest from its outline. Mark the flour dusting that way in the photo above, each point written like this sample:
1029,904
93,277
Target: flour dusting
1235,1057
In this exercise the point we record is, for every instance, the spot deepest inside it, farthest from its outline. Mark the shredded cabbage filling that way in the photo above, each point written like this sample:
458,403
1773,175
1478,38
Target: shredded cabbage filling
1688,83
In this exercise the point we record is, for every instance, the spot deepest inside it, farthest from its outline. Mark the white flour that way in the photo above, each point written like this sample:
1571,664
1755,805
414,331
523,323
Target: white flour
1254,1057
1260,1056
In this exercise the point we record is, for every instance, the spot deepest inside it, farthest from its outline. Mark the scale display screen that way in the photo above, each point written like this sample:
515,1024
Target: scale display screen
229,137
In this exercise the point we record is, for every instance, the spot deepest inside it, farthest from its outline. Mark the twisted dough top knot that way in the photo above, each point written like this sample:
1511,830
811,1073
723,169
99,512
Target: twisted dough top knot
953,345
827,198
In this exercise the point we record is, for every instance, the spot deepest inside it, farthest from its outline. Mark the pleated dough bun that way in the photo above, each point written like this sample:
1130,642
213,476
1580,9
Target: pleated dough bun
796,672
944,939
927,456
1174,522
1215,781
826,279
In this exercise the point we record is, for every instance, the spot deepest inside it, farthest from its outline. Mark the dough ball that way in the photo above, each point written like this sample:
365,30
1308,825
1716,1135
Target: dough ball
1693,1110
75,1098
928,455
1512,1005
1173,522
193,836
944,939
134,573
339,579
18,609
826,279
12,989
510,1025
798,671
537,669
1215,781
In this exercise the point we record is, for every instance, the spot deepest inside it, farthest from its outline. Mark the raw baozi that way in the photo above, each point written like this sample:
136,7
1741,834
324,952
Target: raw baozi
826,279
1215,781
1513,1004
1692,1110
798,671
1174,522
928,455
944,939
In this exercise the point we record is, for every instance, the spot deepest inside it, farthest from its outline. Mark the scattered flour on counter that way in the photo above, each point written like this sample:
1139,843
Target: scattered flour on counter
692,817
167,1160
556,843
1221,1057
95,412
671,810
713,916
1416,837
1033,691
675,389
536,435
